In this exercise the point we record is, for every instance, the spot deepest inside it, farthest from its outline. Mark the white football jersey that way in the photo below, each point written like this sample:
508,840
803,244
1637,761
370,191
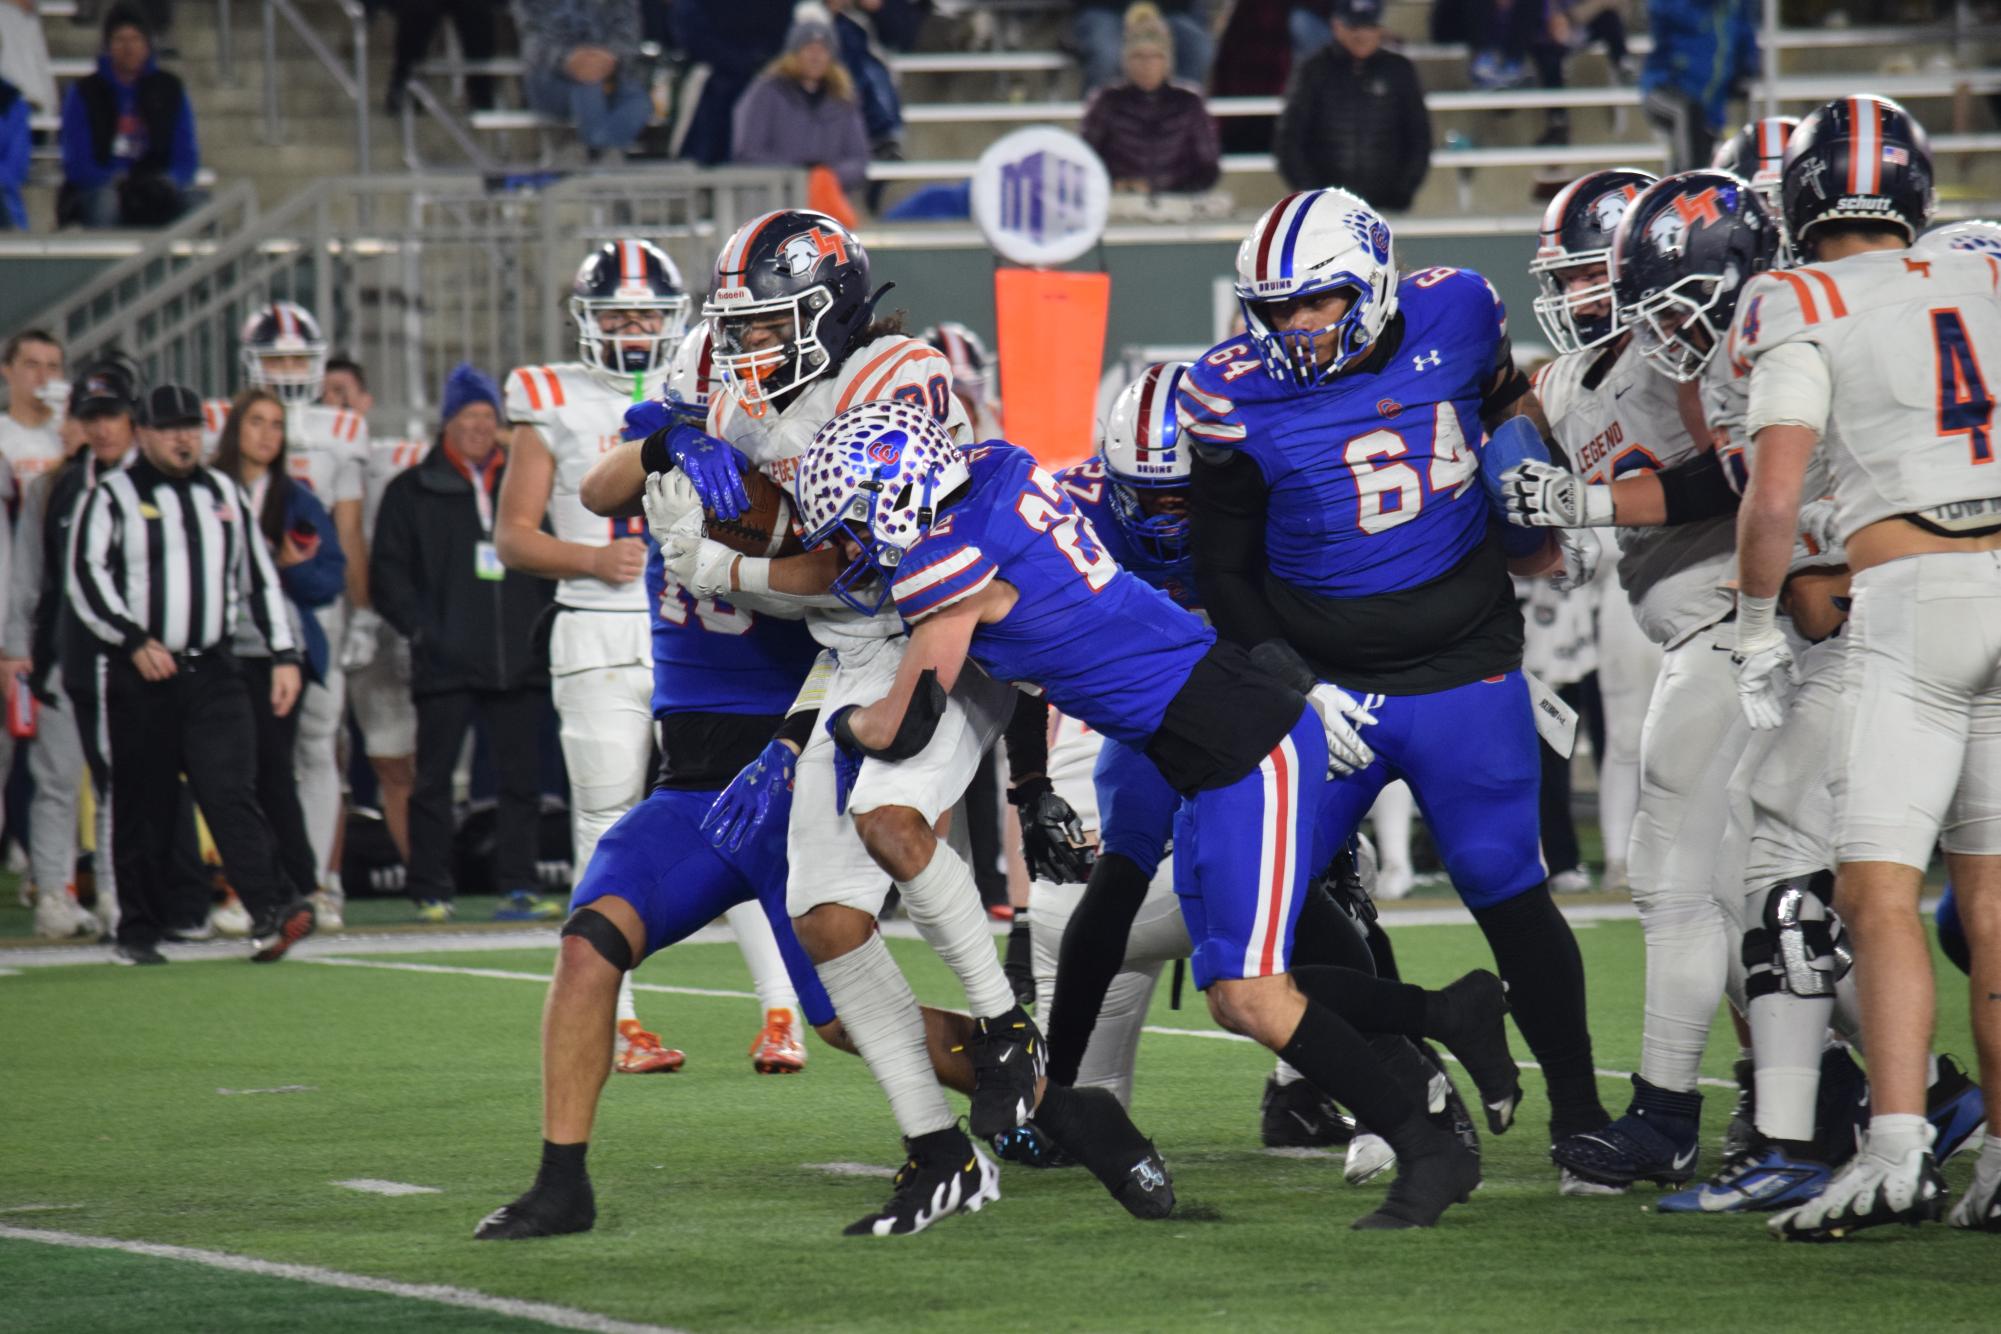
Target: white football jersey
1614,414
1073,765
893,366
326,448
1726,395
30,451
1905,339
387,460
579,418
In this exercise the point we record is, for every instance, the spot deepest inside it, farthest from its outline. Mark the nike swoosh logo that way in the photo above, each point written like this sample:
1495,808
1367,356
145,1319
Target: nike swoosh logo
1004,1056
1682,1160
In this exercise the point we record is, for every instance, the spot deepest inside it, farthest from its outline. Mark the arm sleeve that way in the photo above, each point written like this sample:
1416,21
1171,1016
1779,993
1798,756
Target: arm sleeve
1698,488
184,160
1028,737
99,603
1227,503
257,583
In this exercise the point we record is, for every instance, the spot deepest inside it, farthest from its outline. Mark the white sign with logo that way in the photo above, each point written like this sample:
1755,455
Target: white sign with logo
1041,196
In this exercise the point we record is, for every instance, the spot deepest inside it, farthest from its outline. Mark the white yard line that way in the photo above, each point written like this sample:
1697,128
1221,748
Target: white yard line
377,1186
510,975
438,1294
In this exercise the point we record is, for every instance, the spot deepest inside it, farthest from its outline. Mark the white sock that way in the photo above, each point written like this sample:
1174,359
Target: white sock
880,1013
1687,942
1286,1075
759,945
1931,1069
944,905
1848,1010
1390,816
626,1009
1891,1137
1787,1033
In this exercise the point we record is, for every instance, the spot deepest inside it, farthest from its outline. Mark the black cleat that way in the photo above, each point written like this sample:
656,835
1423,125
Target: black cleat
139,955
1444,1107
1476,1035
540,1213
1146,1190
1428,1183
281,929
944,1175
1300,1116
1009,1060
1092,1127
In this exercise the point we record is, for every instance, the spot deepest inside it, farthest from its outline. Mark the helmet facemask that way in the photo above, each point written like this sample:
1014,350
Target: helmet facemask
1294,354
300,379
1561,304
1162,535
758,375
1678,327
623,355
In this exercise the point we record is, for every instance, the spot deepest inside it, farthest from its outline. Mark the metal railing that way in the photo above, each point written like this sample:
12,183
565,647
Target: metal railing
351,76
408,275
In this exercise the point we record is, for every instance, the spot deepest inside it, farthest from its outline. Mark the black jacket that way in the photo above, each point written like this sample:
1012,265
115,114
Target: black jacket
60,638
1360,125
465,633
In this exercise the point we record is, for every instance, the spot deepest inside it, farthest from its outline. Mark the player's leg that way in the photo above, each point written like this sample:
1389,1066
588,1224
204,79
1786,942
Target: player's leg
777,1049
316,761
379,694
1390,817
1628,665
56,764
1972,840
606,731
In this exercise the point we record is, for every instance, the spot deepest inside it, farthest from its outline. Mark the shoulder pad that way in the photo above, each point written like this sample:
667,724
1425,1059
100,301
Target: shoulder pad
533,392
887,365
1204,410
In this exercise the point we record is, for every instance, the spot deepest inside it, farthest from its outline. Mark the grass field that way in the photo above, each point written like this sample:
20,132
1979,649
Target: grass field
717,1207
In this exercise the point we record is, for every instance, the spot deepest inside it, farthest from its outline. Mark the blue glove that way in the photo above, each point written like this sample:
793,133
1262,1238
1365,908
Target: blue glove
1514,441
757,797
713,467
657,414
847,763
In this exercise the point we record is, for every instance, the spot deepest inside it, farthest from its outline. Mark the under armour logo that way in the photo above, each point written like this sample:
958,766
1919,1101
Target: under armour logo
1423,359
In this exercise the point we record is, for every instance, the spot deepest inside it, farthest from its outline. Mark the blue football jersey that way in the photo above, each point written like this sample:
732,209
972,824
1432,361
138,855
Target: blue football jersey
710,657
1373,475
1106,647
1091,492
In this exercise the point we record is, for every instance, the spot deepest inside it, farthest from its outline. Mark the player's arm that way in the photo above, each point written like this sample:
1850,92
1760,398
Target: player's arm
518,534
615,483
900,723
354,546
1227,503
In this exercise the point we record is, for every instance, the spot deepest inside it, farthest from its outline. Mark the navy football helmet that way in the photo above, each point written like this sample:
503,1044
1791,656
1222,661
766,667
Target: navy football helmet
790,301
284,352
1575,306
635,280
1757,153
1681,257
1858,159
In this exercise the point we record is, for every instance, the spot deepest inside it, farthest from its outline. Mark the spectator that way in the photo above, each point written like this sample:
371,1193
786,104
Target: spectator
1704,50
128,136
1354,116
882,107
299,533
31,366
1255,58
417,23
584,67
802,112
24,54
1154,136
1097,31
1308,24
436,578
729,44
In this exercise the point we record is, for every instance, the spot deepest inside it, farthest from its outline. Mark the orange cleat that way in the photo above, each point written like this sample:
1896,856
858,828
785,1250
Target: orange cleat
641,1052
778,1050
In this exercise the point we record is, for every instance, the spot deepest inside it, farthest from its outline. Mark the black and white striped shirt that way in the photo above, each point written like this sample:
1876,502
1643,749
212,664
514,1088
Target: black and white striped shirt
173,559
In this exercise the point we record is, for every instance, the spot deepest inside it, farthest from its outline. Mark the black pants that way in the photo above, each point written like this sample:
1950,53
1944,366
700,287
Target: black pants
197,722
513,721
417,22
277,785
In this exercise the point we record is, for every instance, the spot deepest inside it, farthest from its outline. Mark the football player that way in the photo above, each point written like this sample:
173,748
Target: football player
972,374
1873,357
1757,154
988,560
284,352
630,310
1977,235
1339,525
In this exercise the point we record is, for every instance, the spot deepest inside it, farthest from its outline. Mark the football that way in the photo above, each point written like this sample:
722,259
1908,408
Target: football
766,528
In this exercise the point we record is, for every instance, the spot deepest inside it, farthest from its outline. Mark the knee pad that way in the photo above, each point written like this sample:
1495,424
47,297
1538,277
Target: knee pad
599,932
1798,946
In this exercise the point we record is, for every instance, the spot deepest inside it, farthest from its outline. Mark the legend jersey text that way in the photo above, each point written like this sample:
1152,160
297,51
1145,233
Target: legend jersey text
579,418
1910,345
1614,414
890,367
325,448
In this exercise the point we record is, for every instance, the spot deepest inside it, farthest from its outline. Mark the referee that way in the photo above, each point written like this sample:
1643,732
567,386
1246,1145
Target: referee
164,559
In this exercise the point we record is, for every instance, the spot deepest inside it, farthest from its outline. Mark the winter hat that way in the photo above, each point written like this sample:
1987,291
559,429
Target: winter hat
125,16
1147,30
466,385
810,23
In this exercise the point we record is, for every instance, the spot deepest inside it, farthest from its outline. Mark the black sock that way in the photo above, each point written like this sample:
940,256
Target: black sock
563,1167
1094,949
1381,951
1338,1061
1326,935
1536,955
1369,1003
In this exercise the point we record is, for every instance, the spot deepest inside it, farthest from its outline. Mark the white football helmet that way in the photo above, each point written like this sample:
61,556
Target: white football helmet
284,353
875,474
1976,235
1142,451
1310,244
692,374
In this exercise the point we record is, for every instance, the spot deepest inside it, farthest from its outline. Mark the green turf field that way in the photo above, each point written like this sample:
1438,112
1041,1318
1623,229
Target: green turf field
716,1214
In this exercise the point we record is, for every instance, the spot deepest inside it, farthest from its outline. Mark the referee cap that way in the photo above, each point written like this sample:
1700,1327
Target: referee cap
170,405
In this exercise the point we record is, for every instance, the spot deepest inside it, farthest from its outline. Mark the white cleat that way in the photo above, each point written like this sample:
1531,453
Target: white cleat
1979,1210
1871,1191
1369,1156
230,918
1393,882
60,917
327,905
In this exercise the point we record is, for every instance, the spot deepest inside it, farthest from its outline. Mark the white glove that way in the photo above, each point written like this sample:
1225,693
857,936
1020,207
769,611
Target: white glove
1340,714
699,564
669,498
1542,495
1817,522
1764,664
358,647
1581,553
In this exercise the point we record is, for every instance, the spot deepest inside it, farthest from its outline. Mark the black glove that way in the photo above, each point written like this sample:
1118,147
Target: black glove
1052,838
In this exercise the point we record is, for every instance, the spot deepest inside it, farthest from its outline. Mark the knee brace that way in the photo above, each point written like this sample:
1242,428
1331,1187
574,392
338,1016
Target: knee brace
599,932
1798,946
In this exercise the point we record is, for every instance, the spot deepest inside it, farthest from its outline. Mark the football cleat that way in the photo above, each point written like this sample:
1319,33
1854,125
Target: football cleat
1478,1038
540,1214
1756,1182
1093,1127
1145,1190
328,905
777,1050
285,927
58,916
1841,1111
1740,1137
642,1053
1979,1210
136,955
1955,1108
230,917
1369,1156
1447,1110
1571,1184
1030,1146
1428,1183
521,906
1656,1140
945,1174
1009,1060
1872,1191
436,912
1300,1116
